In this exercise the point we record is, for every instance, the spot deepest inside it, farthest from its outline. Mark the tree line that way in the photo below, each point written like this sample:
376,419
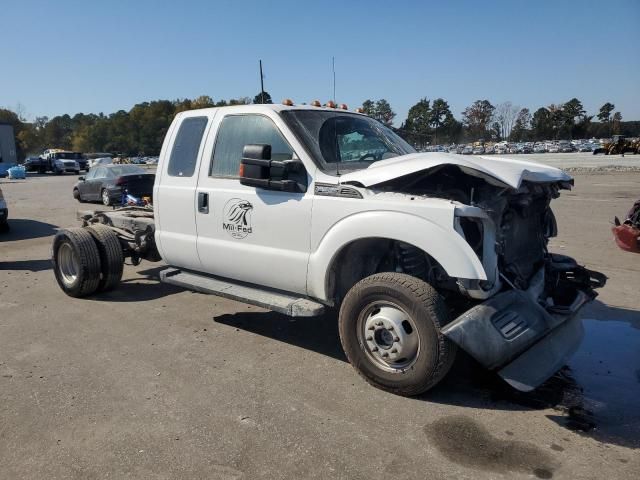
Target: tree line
432,122
141,130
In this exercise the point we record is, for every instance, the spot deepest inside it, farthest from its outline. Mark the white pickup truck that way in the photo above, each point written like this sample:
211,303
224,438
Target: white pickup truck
301,208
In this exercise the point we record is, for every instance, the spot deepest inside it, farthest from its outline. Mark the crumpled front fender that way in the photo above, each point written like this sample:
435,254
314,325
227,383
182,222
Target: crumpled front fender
447,247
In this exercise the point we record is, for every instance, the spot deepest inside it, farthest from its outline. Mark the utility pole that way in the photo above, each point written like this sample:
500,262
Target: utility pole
261,84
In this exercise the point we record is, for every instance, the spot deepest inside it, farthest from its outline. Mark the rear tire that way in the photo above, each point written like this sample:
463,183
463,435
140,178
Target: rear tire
76,262
104,196
111,256
400,317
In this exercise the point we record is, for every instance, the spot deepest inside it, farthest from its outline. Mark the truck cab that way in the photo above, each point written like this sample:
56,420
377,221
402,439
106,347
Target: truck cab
302,208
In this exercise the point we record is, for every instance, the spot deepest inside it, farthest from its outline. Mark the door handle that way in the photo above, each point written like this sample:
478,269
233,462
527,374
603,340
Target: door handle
203,202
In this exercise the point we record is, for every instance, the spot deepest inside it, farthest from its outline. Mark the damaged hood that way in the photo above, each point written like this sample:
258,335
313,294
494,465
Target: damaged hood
507,170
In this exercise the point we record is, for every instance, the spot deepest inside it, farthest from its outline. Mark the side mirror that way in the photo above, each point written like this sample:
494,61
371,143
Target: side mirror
258,170
81,179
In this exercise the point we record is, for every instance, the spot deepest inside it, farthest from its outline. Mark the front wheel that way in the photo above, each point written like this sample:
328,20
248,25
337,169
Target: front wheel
390,331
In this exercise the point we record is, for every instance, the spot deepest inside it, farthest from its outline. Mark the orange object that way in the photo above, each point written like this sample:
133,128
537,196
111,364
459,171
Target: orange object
627,237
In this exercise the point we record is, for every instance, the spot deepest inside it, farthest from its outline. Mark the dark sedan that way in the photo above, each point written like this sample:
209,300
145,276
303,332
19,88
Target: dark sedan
108,183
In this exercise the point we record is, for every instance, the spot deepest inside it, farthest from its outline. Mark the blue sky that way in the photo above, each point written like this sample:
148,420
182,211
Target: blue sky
90,56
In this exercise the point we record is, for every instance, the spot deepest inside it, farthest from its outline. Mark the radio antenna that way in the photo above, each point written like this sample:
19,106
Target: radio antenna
261,84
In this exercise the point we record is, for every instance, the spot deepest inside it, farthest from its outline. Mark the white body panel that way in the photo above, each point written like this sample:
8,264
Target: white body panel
272,249
426,223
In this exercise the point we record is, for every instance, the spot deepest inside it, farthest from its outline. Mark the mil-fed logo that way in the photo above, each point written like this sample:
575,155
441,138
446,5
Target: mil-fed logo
237,218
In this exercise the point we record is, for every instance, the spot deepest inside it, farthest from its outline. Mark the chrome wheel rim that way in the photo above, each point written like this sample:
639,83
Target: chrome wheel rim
68,264
389,336
105,197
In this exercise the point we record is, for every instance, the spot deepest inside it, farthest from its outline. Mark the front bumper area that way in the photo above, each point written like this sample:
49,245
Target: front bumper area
528,335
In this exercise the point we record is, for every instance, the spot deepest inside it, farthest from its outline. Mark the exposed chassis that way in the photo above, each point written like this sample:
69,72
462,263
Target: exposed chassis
134,226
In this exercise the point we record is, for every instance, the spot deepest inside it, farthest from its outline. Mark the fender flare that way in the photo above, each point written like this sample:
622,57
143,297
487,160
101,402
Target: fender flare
446,246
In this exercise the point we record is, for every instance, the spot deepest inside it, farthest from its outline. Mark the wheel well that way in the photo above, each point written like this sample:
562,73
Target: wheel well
367,256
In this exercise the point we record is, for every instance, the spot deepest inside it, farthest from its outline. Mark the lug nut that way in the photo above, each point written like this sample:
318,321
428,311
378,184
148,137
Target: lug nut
395,350
369,338
396,339
379,324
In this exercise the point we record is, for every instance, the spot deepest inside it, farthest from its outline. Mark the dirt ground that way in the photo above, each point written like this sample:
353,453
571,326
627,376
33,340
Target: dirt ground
151,381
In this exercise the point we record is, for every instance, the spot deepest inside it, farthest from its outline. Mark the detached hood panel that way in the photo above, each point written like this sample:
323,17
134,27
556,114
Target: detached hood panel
507,170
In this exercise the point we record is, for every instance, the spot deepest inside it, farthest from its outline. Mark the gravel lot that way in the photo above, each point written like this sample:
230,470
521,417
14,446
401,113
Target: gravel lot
151,381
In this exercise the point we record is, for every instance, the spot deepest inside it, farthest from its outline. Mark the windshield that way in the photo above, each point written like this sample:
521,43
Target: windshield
68,155
344,141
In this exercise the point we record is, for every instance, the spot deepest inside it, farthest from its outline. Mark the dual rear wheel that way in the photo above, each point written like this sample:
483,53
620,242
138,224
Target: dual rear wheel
87,260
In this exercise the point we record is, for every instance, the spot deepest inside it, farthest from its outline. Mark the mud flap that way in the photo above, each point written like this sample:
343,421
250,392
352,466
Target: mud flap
545,358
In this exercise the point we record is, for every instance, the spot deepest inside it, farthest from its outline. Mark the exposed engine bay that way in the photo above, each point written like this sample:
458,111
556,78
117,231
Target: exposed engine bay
521,321
522,219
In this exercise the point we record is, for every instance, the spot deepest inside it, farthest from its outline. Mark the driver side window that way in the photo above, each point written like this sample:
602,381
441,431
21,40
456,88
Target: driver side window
235,132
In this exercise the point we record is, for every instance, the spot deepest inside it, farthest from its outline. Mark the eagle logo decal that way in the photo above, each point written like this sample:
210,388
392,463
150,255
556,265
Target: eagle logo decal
237,218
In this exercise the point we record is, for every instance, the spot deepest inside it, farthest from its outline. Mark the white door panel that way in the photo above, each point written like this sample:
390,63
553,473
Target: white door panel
255,235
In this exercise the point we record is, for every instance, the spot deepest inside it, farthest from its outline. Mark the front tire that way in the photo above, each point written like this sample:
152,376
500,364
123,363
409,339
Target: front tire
77,195
76,262
390,331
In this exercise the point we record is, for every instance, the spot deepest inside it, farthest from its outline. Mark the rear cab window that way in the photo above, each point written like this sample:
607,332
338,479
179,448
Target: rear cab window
184,153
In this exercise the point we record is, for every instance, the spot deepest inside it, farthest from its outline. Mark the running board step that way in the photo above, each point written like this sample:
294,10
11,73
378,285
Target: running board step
269,299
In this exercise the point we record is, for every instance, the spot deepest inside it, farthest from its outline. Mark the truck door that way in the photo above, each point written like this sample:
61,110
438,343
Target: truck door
246,233
175,190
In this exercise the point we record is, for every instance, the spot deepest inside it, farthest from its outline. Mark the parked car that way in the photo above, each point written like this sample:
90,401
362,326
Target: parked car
539,148
553,148
565,146
468,150
277,195
107,183
585,147
526,149
478,150
490,150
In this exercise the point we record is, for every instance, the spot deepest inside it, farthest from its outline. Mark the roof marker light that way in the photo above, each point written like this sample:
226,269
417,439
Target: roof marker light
331,104
288,102
343,106
316,103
